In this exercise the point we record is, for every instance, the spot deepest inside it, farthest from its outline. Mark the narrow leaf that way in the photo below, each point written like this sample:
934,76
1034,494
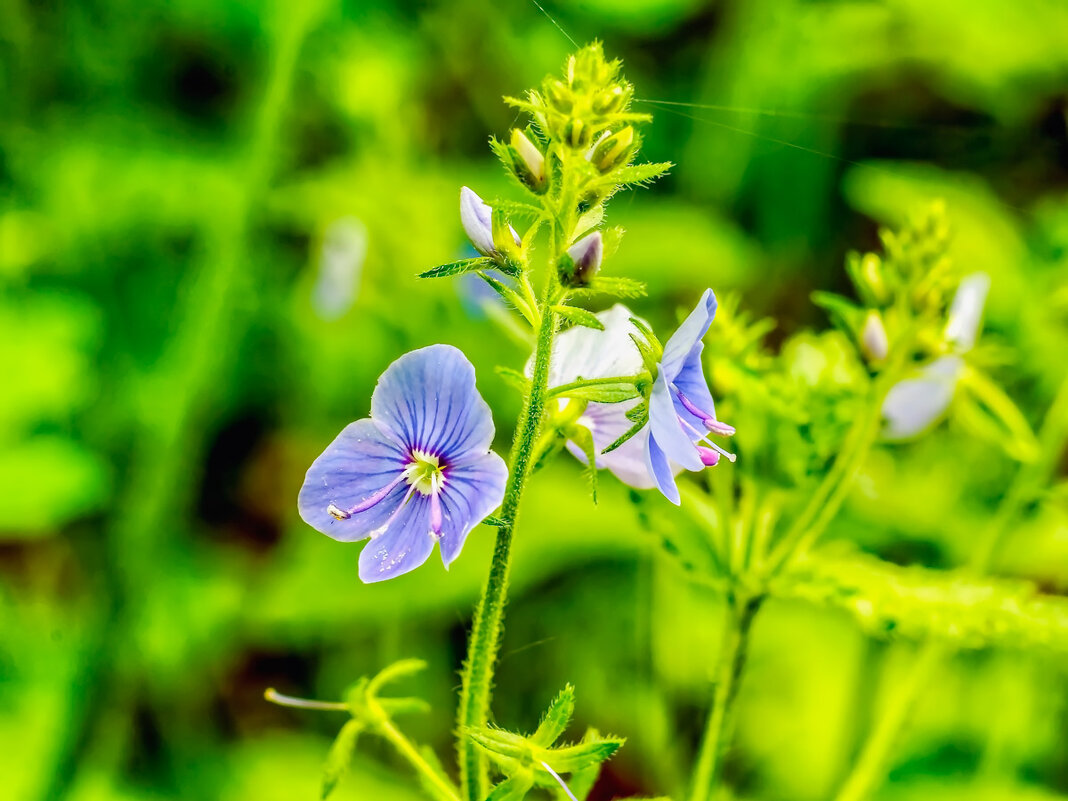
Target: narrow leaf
495,522
556,718
340,755
459,267
514,379
585,754
513,789
639,173
579,316
618,287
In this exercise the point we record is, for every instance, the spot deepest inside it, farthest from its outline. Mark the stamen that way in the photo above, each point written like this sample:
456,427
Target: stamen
704,438
435,515
275,697
709,457
344,514
710,422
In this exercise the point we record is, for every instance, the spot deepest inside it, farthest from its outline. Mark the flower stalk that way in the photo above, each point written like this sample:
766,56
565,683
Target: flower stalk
735,652
485,637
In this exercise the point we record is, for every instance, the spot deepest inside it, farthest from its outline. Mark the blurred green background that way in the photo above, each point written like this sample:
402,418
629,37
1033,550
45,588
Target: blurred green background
211,216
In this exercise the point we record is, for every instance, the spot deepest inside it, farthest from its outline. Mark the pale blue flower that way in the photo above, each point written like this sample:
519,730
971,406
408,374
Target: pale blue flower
919,401
419,471
681,410
477,219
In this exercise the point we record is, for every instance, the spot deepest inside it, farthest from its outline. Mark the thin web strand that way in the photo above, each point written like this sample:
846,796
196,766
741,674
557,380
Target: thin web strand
559,27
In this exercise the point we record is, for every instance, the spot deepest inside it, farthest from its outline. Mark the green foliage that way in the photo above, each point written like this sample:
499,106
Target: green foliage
916,603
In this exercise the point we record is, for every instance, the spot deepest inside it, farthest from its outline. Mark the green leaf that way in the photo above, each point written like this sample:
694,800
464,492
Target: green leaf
582,780
638,173
511,297
340,756
459,267
584,755
403,706
988,412
584,439
515,379
556,718
615,286
495,522
513,789
615,389
579,316
918,603
640,415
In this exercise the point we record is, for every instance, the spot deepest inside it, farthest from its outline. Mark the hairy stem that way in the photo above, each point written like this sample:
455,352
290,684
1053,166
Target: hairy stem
721,718
485,633
870,767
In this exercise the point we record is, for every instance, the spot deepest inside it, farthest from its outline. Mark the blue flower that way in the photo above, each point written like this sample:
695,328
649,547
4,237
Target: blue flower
681,410
418,471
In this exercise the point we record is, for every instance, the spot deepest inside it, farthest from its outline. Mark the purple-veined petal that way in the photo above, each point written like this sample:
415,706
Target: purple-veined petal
660,468
966,311
472,490
404,545
666,431
916,403
477,219
692,331
428,398
363,460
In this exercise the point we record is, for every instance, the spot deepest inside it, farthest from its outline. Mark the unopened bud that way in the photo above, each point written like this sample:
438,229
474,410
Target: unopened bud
576,133
614,150
560,97
609,101
586,255
532,159
478,222
873,340
871,270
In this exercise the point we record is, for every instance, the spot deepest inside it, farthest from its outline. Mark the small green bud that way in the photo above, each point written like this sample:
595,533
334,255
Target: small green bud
576,133
560,97
531,161
613,151
871,271
609,101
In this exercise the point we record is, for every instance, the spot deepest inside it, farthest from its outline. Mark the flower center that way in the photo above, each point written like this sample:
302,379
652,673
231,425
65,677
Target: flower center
425,472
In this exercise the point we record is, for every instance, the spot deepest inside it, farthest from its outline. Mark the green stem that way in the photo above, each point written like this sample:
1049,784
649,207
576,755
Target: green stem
435,782
825,502
870,767
721,718
485,633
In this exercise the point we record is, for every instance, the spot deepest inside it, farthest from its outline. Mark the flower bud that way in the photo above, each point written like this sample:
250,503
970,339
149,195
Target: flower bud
477,219
614,150
532,159
873,341
586,255
609,101
576,133
559,97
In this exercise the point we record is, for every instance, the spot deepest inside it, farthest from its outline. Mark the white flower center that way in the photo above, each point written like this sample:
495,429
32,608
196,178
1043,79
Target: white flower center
425,472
